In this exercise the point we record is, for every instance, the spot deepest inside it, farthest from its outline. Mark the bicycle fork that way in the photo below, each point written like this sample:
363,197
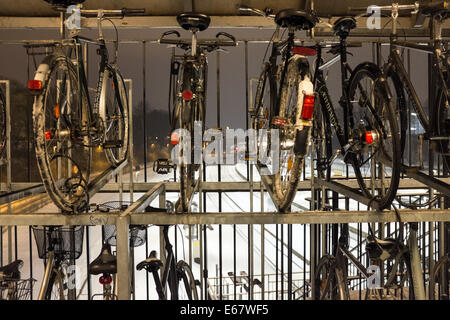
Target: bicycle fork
47,274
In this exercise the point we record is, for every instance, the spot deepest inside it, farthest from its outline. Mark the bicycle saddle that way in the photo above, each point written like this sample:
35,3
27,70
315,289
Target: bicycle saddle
193,21
343,26
151,264
442,9
295,18
11,271
104,263
381,249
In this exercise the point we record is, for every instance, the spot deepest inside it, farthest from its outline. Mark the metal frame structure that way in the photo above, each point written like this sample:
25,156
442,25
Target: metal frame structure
19,205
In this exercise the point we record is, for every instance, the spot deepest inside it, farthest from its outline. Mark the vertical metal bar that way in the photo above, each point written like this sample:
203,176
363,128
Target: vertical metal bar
30,248
123,258
130,137
289,262
144,97
88,258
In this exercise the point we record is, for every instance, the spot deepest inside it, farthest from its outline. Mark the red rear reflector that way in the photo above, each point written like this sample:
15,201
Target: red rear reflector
279,122
369,137
308,107
174,139
105,279
187,95
304,51
34,84
48,135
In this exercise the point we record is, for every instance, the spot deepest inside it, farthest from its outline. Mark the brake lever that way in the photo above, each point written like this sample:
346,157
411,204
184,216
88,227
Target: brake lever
170,32
229,36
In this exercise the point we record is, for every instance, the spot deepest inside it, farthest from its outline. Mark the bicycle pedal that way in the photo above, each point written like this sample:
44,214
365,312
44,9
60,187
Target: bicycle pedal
111,144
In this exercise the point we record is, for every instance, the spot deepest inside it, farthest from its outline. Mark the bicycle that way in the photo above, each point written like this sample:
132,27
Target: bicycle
332,280
368,136
284,100
12,287
60,246
172,272
68,125
437,124
106,263
189,71
441,275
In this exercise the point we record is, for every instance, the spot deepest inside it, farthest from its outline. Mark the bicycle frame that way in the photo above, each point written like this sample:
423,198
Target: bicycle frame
440,67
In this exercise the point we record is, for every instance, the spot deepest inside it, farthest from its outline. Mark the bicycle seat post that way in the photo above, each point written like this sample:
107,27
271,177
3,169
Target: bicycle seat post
194,42
100,15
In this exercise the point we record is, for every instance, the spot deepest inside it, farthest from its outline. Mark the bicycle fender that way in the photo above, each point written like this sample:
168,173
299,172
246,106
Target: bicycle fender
302,141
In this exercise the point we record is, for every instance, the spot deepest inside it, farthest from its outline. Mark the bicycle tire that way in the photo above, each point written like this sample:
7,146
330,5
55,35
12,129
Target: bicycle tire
442,125
335,285
2,122
189,111
185,275
286,179
378,121
55,287
322,137
114,112
63,158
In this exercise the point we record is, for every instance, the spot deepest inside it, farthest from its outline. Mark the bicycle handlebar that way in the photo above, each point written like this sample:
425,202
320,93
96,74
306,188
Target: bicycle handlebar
200,43
425,9
268,13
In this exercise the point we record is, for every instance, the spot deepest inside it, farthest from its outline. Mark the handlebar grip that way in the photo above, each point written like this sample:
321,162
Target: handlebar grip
133,12
428,9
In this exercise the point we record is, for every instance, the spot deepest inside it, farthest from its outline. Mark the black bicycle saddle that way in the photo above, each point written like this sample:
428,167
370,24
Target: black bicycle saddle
295,18
344,25
64,3
151,264
193,21
106,262
11,271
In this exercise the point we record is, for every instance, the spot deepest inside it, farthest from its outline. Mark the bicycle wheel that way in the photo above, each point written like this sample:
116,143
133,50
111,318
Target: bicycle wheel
375,137
329,280
62,144
2,122
56,288
190,109
286,179
114,113
322,137
188,289
443,129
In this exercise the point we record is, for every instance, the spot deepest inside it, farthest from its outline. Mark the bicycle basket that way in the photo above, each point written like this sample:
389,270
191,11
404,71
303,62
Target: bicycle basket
67,241
64,3
16,289
136,235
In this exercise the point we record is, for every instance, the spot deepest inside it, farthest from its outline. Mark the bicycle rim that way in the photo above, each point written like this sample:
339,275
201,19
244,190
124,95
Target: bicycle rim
55,288
60,118
375,137
115,117
290,164
443,129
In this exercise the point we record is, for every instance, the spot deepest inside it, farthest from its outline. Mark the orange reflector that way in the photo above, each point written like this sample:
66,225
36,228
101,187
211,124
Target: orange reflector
56,109
48,135
174,139
34,84
369,137
187,95
308,107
